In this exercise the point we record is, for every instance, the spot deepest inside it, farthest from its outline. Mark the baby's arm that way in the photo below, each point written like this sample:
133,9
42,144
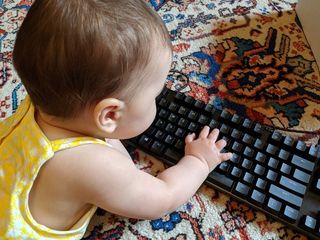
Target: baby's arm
202,155
116,185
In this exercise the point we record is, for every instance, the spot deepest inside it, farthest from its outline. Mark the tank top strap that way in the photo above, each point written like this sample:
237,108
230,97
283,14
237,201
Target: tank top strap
61,144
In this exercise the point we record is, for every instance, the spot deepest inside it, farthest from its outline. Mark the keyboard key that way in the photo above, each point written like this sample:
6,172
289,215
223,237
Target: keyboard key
225,115
249,152
237,147
301,146
285,168
285,195
258,197
173,118
302,176
157,148
223,180
145,141
193,127
314,151
183,111
291,213
213,124
224,129
163,102
160,135
199,104
307,222
274,205
235,158
259,170
258,128
181,133
183,122
224,167
289,141
203,120
248,177
170,128
163,113
259,144
208,108
247,164
247,123
248,139
273,163
303,163
173,107
260,157
189,100
236,119
160,123
242,189
236,172
170,140
276,136
272,175
179,145
262,184
272,149
192,115
283,154
293,185
236,134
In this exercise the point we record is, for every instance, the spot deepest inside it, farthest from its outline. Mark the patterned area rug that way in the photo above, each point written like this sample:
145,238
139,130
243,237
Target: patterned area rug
248,56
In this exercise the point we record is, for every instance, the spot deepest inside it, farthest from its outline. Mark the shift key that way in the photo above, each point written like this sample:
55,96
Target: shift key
222,180
285,195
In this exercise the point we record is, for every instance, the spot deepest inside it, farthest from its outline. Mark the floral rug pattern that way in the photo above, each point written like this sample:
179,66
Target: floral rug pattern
248,56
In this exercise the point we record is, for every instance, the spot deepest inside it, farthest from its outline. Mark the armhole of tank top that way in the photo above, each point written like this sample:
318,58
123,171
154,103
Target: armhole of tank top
62,144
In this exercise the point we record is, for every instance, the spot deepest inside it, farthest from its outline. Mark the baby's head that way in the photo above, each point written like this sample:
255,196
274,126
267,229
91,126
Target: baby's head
107,59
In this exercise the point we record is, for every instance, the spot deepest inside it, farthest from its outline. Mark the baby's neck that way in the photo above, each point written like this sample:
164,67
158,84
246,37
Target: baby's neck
58,129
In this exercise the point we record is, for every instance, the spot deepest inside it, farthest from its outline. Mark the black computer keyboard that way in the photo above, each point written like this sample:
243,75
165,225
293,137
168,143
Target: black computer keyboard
269,171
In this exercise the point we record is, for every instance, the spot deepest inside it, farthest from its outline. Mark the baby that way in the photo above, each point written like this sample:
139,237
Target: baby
92,70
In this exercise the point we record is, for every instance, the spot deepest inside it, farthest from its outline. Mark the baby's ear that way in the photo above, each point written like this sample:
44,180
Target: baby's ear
107,113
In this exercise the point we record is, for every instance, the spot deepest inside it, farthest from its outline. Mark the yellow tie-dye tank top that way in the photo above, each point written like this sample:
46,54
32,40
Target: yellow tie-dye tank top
23,150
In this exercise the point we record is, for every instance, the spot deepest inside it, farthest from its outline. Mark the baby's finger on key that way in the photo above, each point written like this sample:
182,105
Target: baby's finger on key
225,156
221,143
190,137
204,132
214,135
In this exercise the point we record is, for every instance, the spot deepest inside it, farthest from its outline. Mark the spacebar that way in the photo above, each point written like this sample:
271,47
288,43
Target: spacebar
221,179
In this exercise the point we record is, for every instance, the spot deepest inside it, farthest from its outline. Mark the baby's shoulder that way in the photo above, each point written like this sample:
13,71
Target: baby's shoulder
78,165
91,157
87,154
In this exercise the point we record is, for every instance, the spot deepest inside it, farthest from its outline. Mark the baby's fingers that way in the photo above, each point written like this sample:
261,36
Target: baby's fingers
204,132
225,156
190,137
214,135
221,144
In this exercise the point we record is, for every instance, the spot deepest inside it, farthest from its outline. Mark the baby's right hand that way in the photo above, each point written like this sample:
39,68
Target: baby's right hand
206,148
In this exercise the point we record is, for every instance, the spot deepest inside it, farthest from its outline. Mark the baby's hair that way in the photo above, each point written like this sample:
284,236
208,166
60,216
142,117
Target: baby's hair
72,54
